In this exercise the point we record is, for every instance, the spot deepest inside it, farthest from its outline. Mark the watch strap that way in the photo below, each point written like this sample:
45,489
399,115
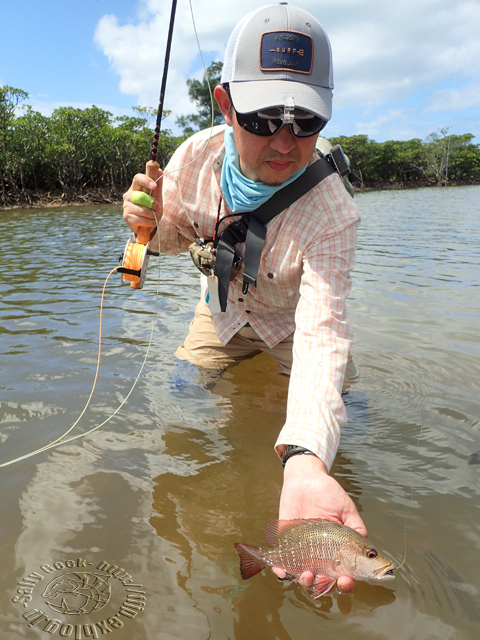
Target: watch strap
294,450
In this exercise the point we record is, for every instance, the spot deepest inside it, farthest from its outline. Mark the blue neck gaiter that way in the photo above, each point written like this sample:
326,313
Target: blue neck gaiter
240,193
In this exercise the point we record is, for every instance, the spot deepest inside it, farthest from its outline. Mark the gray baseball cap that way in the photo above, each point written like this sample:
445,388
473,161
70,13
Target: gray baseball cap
279,55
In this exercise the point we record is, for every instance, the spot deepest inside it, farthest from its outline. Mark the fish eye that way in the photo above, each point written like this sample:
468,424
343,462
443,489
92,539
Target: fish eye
371,553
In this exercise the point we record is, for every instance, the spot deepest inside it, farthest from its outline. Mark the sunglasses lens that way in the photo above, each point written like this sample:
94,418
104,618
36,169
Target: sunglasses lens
303,128
253,123
266,124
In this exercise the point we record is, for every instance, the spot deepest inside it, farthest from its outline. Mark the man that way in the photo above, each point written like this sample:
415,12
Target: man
276,96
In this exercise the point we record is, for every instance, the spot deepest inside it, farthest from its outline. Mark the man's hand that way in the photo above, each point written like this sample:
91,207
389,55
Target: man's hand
137,216
309,492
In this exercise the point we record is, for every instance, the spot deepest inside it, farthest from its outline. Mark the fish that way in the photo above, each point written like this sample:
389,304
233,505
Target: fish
78,593
327,549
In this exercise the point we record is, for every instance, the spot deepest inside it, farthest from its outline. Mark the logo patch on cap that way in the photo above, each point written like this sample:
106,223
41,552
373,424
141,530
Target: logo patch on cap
286,51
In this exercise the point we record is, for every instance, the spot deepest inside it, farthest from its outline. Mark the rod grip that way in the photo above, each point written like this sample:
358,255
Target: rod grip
151,170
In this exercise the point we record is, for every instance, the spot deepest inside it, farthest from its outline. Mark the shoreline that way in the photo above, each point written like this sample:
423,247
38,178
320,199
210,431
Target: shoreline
46,204
51,201
54,201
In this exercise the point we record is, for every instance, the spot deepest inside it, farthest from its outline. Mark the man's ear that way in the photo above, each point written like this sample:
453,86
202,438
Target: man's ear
223,101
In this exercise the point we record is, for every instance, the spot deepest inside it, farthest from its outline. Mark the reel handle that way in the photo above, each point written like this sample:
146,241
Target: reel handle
143,233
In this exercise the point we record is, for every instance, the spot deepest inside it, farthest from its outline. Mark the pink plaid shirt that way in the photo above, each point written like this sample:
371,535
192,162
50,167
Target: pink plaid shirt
302,285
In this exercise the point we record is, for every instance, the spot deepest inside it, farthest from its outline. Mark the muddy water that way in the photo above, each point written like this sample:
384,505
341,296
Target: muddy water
128,532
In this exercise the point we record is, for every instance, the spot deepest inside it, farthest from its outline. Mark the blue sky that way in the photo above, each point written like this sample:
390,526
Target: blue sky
402,70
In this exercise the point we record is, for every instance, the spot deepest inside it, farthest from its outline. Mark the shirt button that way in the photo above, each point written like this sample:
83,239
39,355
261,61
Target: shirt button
247,311
240,299
195,224
270,275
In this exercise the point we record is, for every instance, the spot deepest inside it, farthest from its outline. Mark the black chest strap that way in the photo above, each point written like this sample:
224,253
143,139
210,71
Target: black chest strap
250,228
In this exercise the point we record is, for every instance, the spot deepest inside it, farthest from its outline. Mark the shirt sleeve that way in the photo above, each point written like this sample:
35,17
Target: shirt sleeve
175,233
189,188
315,409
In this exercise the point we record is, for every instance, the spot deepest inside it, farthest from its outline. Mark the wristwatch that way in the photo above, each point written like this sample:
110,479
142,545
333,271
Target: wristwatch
294,450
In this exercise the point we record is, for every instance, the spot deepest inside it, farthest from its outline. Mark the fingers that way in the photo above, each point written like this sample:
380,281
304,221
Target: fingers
353,520
136,215
345,584
306,579
142,182
280,573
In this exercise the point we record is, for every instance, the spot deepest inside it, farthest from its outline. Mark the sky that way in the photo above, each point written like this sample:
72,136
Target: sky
402,70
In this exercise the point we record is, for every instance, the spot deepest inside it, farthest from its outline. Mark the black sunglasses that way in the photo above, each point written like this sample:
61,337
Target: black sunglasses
268,122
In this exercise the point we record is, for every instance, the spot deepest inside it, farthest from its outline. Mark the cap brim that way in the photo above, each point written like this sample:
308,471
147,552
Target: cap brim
263,94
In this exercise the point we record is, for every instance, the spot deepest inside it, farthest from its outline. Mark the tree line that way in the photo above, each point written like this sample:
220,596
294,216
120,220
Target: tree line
89,154
440,158
74,153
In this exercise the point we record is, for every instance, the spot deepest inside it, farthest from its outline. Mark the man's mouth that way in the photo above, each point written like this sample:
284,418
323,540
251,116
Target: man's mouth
278,165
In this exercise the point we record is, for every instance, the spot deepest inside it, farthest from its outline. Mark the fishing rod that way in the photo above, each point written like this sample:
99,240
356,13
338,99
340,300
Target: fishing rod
134,260
143,237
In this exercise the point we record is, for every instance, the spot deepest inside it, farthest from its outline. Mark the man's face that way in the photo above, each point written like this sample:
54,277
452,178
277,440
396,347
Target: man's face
267,159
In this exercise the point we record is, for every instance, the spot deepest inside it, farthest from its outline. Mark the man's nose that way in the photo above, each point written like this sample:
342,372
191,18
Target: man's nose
283,141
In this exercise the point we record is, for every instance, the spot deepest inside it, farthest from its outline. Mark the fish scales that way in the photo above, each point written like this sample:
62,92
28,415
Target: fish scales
316,540
327,549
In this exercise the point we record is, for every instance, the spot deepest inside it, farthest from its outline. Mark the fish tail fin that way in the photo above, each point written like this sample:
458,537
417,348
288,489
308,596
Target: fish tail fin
250,562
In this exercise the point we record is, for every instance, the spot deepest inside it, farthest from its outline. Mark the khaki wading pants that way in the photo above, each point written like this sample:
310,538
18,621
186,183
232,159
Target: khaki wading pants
203,348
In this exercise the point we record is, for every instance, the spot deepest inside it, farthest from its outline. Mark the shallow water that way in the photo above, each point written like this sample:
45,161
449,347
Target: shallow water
186,468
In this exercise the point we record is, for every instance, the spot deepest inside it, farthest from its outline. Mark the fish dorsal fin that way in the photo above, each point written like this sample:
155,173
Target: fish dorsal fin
275,529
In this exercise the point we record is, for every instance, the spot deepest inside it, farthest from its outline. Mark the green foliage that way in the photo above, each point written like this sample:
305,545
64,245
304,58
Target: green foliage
450,156
74,151
10,98
440,158
201,94
464,159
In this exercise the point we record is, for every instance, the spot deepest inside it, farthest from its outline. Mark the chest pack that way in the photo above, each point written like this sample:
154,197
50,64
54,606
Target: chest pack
219,259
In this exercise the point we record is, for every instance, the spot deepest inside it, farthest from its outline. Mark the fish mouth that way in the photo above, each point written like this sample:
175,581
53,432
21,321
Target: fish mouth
385,573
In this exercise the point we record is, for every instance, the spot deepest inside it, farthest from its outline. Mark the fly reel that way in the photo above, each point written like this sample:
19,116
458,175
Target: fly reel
134,263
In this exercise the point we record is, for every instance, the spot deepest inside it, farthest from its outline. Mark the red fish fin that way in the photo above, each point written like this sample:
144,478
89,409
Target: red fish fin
322,585
274,529
250,562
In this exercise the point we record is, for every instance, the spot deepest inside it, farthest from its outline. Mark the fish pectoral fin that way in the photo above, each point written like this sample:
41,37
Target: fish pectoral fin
322,585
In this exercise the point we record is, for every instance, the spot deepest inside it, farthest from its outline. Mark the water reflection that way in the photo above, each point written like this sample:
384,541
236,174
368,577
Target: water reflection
231,500
187,468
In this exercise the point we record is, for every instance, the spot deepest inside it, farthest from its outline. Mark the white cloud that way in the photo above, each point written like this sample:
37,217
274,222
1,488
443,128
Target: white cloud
455,99
396,49
137,51
375,126
384,52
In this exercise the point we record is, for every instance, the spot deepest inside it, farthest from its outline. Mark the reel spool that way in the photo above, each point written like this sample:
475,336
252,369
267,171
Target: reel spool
134,263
